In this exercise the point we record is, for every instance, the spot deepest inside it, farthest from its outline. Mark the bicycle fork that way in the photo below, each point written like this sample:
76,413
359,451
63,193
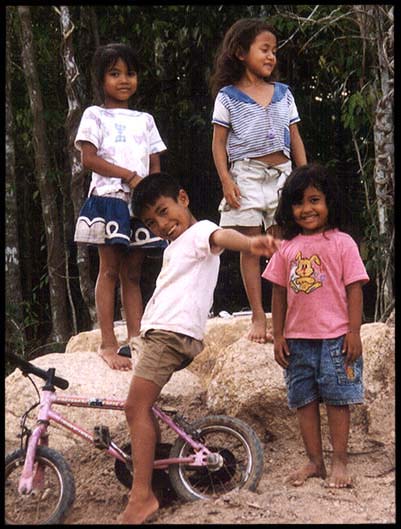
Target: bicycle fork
32,475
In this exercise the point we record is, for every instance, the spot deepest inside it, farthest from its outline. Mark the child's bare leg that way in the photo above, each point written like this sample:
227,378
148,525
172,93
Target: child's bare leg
142,502
339,421
109,265
251,277
309,422
131,295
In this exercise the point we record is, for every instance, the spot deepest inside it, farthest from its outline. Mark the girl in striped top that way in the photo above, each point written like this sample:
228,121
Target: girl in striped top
255,137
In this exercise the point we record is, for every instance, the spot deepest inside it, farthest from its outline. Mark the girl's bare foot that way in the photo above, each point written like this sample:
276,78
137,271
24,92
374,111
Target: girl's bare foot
113,360
310,470
339,477
138,511
257,332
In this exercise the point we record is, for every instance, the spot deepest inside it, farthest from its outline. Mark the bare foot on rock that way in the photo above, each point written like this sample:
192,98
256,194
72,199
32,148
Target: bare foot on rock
310,470
257,332
113,360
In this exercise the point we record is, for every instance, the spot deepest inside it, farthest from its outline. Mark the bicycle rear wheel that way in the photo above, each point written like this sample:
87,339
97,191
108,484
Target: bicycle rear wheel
241,461
49,501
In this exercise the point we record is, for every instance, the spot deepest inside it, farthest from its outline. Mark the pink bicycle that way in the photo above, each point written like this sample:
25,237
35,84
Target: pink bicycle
210,456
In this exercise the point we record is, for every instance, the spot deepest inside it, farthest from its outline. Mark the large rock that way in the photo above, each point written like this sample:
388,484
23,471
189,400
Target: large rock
241,379
220,334
88,376
379,378
248,383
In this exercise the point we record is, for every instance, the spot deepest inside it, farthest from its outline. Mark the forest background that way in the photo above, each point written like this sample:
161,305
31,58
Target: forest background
338,61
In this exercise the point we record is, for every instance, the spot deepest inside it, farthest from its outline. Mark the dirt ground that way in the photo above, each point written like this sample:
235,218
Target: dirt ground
100,497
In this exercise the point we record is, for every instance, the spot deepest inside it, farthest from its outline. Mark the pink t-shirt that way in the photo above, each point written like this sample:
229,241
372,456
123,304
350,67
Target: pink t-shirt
315,269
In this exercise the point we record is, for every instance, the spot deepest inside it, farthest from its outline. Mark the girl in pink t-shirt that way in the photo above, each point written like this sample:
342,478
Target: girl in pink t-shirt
317,277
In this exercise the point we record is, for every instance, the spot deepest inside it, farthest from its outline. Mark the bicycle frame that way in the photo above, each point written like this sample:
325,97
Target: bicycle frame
39,435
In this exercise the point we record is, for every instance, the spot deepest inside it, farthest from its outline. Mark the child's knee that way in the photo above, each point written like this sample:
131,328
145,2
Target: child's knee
131,412
110,274
131,276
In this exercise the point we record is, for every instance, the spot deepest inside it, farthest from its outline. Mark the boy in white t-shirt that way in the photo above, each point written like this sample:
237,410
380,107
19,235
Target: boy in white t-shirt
174,320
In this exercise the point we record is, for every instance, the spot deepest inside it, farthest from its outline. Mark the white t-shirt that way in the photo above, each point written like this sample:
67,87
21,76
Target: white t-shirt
184,289
123,137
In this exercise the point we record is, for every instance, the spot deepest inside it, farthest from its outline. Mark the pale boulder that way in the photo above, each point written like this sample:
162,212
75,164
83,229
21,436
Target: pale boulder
379,376
248,383
220,334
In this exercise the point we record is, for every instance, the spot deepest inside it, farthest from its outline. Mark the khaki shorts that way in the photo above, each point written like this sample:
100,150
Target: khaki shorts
164,352
259,185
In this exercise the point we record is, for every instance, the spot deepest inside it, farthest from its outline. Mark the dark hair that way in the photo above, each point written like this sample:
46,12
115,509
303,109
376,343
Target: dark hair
228,69
105,57
151,188
315,175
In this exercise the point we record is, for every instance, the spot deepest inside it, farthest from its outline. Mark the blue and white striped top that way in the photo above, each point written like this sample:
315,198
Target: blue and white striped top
255,130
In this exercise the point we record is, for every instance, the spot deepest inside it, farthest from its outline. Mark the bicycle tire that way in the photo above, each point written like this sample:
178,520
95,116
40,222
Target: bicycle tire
240,449
47,504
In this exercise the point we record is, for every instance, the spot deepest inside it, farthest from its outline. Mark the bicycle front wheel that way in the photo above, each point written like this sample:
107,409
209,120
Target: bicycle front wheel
240,454
53,491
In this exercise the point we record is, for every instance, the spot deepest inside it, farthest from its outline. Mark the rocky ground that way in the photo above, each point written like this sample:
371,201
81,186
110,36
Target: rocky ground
100,497
240,379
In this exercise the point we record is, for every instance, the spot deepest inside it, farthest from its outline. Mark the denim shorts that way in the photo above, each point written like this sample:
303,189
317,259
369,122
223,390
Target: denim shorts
316,371
259,185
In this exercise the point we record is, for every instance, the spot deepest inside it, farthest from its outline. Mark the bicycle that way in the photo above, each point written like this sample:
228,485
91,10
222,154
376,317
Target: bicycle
210,457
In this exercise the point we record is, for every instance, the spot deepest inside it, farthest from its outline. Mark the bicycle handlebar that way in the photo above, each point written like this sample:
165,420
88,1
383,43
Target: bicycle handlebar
27,367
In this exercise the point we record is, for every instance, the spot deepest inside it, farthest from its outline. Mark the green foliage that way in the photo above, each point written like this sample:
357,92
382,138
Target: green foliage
324,62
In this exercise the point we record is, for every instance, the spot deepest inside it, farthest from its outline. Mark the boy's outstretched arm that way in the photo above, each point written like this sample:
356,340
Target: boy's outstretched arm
230,239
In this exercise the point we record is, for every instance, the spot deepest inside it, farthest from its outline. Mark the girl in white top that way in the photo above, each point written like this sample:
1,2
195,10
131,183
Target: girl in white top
121,146
255,135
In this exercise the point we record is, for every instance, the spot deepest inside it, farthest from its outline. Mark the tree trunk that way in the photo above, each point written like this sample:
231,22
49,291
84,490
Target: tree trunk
383,131
15,331
46,186
78,191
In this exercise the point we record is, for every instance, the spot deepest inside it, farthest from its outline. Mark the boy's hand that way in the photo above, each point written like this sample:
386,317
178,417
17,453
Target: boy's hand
264,245
281,351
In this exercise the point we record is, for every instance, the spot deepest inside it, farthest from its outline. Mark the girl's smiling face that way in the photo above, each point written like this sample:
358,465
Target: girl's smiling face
119,85
311,213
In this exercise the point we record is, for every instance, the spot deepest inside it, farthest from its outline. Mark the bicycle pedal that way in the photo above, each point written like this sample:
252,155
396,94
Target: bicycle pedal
170,410
101,437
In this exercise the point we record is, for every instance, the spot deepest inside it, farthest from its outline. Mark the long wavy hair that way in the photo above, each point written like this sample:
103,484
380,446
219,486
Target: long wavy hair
292,192
228,69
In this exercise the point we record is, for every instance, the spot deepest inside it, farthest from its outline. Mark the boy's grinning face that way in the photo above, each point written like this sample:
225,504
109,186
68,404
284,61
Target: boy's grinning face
168,218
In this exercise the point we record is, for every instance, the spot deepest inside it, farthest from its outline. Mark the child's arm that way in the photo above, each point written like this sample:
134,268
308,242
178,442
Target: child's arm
91,160
352,342
154,163
297,146
279,310
230,189
230,239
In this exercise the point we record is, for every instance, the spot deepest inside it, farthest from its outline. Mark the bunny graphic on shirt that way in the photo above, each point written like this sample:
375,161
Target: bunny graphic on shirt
303,274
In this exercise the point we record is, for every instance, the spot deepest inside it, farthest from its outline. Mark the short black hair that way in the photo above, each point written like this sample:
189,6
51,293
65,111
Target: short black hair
151,188
312,174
